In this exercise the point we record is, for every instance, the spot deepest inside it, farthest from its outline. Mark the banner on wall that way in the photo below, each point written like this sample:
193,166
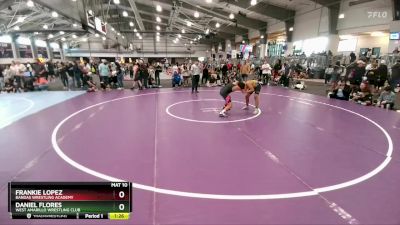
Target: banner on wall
25,51
246,50
6,50
56,54
42,52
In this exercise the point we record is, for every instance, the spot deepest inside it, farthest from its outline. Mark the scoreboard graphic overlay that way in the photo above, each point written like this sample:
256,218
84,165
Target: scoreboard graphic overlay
70,200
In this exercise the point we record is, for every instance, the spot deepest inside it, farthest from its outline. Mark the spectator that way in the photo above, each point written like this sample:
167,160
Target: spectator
88,83
395,77
50,75
185,75
137,78
341,91
381,74
224,71
285,75
265,72
387,98
195,71
328,73
352,57
370,74
245,70
77,74
63,75
356,76
104,72
362,95
9,86
18,71
157,74
144,74
205,78
120,76
277,68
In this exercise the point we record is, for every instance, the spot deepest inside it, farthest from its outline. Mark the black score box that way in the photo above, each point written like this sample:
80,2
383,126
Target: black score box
27,216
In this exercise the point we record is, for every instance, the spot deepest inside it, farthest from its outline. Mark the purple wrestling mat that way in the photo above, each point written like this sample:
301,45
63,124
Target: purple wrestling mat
304,159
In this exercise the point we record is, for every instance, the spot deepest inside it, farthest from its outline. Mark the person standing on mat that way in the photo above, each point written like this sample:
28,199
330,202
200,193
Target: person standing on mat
195,70
225,93
253,86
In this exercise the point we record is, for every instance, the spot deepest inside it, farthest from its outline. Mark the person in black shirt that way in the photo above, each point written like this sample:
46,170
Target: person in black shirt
50,70
224,71
395,78
381,75
63,75
352,57
204,78
120,76
157,74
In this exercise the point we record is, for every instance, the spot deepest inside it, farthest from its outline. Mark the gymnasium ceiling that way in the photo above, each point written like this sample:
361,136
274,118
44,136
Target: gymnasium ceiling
127,15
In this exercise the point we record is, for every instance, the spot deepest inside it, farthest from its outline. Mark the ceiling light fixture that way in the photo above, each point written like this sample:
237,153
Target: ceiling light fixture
183,31
140,37
16,28
188,23
131,24
158,34
96,35
74,25
262,36
124,13
20,19
290,28
158,8
123,37
74,36
158,19
62,32
196,14
158,27
217,25
341,16
51,36
116,2
207,31
135,30
84,39
104,38
45,26
377,34
209,1
179,36
253,2
231,16
90,12
54,14
63,39
30,3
